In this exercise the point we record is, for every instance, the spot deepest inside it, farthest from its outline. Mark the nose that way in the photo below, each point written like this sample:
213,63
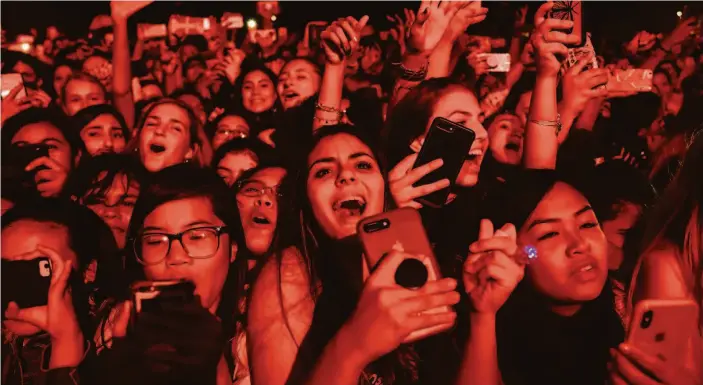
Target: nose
265,200
576,245
108,212
159,130
177,255
346,176
108,143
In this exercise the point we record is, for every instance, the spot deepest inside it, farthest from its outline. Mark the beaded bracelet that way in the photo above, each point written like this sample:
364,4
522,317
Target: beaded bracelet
549,123
410,75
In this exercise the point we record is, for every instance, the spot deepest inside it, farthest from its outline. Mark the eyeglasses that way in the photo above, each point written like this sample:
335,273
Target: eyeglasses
237,133
255,188
152,248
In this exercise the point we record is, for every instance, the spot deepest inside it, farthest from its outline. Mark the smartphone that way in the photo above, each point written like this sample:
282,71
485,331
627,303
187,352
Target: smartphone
231,20
26,282
313,30
152,31
10,81
451,142
574,53
497,62
639,80
150,296
664,328
573,11
401,230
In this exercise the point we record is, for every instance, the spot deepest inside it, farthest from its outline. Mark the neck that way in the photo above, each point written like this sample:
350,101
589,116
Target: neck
566,310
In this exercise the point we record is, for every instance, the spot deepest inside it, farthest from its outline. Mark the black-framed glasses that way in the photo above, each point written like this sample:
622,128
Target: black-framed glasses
255,188
152,247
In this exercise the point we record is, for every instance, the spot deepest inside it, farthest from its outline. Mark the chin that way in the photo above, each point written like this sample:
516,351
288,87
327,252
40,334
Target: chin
259,247
467,179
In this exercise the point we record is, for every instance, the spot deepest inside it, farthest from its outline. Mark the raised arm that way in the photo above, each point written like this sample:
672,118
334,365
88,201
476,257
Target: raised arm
543,123
339,40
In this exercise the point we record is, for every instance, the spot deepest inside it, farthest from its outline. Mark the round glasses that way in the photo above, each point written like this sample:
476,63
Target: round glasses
255,188
152,248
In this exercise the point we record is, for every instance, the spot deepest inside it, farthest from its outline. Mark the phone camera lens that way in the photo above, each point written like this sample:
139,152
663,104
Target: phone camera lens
647,319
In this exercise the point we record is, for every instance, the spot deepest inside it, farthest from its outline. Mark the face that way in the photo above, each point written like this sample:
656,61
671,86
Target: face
571,266
208,274
228,128
194,72
188,51
258,93
23,237
234,164
259,209
195,105
101,69
369,59
298,81
661,84
60,76
151,91
505,138
103,135
81,94
617,228
114,205
164,140
460,106
344,184
29,76
46,134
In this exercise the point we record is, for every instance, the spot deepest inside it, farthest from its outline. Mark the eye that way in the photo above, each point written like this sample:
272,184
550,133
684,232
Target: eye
589,225
364,166
548,236
118,134
321,173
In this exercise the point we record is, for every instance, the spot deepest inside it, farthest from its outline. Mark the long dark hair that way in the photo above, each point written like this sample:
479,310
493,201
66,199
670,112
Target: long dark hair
88,114
188,181
266,119
340,285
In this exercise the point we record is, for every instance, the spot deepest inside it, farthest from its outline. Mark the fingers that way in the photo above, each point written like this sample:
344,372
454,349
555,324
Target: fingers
60,268
642,359
629,372
41,161
485,230
423,303
495,243
121,321
414,204
436,287
428,320
362,23
421,191
418,173
401,169
15,91
542,12
580,64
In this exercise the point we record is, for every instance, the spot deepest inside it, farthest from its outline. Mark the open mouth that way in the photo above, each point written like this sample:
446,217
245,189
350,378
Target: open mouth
473,155
290,96
260,220
351,206
513,146
157,148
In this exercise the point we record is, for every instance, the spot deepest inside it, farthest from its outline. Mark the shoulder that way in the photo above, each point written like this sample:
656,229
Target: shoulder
281,294
662,276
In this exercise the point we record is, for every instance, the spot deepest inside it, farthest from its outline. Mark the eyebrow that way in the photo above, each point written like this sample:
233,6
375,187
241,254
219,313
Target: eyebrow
330,159
460,112
191,224
536,222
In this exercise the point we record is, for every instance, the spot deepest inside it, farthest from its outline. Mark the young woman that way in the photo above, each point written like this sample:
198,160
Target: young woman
255,88
109,185
669,267
102,129
505,135
47,150
169,134
47,344
237,156
185,225
81,90
302,324
299,79
562,312
227,126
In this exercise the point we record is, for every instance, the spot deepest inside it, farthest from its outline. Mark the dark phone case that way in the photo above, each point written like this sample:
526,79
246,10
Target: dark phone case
167,297
573,11
26,282
451,142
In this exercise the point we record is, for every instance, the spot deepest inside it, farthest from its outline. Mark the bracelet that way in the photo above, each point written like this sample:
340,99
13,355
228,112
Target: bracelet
549,123
340,113
326,122
410,75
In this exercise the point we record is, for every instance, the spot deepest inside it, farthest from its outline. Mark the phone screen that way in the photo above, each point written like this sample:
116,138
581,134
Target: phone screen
451,142
8,82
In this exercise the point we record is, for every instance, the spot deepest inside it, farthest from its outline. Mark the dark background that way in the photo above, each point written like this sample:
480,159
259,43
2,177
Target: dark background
616,19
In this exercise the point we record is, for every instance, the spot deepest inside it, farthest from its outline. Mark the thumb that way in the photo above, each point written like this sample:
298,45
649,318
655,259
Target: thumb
581,64
121,321
15,91
362,23
486,229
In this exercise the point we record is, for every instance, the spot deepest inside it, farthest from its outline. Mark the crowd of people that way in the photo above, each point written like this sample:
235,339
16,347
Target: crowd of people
232,173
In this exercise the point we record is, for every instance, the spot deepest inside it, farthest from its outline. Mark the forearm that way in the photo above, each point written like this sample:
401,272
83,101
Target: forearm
516,71
340,363
588,117
122,72
330,94
515,50
440,61
413,62
67,352
480,363
541,141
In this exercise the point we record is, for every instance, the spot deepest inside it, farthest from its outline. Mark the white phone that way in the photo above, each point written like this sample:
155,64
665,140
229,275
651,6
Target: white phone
664,328
10,81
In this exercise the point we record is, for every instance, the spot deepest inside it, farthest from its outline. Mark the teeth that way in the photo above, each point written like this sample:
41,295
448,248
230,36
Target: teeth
337,205
587,268
475,152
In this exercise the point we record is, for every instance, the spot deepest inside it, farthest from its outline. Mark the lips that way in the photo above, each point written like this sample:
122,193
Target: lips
260,219
157,148
350,206
585,271
513,146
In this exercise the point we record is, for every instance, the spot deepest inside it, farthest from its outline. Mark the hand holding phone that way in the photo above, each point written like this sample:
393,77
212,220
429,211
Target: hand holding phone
571,11
450,142
387,315
496,62
632,80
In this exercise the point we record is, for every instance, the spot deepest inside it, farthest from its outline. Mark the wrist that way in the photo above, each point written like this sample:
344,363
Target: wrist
482,319
415,61
346,346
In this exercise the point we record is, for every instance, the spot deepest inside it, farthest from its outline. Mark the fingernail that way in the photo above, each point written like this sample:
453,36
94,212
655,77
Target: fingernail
625,348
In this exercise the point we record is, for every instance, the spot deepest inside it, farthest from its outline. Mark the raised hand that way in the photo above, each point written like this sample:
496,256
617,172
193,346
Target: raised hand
431,23
463,19
403,176
630,366
579,85
12,106
520,17
491,272
548,41
682,32
341,38
230,66
122,10
387,313
51,172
